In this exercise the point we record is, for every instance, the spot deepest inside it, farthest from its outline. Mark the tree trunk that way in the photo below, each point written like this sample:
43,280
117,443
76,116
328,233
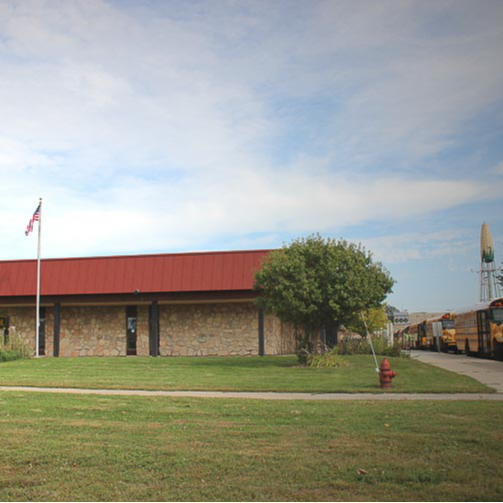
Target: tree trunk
305,344
332,335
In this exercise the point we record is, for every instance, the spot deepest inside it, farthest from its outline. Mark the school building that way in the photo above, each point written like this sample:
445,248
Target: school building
184,304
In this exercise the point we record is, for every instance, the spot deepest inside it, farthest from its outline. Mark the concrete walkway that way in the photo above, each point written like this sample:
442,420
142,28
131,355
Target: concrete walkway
264,396
489,372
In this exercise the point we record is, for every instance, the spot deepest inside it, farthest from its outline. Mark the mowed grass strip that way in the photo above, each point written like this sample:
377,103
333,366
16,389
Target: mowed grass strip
271,373
88,448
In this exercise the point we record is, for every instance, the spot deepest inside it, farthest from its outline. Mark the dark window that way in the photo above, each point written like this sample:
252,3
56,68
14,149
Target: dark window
484,332
153,320
447,324
131,335
4,328
41,333
421,329
497,315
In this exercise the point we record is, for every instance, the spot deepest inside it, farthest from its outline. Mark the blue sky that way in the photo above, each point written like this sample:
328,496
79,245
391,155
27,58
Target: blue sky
164,126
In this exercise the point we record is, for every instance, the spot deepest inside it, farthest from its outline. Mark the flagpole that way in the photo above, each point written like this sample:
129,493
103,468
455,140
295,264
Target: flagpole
37,329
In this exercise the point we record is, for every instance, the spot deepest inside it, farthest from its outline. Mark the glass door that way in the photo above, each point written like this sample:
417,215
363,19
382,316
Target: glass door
131,334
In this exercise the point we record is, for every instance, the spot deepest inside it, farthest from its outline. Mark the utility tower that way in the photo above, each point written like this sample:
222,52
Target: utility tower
489,286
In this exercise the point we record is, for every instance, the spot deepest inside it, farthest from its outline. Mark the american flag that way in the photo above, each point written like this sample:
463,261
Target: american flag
34,218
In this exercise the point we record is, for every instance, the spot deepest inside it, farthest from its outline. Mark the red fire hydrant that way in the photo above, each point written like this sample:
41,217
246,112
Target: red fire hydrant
386,374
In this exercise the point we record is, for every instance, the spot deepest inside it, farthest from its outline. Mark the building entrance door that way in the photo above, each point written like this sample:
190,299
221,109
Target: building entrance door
131,334
41,333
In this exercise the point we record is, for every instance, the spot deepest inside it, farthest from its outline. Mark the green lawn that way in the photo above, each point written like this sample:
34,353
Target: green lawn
230,374
88,448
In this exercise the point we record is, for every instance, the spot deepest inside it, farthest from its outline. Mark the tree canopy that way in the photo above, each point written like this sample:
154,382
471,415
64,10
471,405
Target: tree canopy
315,282
375,318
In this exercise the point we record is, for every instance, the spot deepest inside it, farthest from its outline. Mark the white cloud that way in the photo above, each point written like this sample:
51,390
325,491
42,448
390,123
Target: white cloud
152,129
197,90
136,214
401,248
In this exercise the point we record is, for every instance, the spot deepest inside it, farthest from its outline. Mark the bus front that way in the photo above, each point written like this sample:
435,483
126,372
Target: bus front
496,321
448,339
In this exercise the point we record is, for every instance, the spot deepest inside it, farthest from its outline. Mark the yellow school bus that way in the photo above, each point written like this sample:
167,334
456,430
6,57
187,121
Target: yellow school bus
421,335
412,335
479,329
415,335
402,335
446,330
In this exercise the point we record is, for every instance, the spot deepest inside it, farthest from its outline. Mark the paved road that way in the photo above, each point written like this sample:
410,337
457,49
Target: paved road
488,372
265,396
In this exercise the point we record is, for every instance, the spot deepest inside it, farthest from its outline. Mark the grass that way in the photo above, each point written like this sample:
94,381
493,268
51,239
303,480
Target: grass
88,448
232,374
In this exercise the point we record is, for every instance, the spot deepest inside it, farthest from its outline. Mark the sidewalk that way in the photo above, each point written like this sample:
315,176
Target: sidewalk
264,396
489,372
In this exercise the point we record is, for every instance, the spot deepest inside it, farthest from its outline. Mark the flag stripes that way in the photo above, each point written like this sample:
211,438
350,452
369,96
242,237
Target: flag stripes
34,218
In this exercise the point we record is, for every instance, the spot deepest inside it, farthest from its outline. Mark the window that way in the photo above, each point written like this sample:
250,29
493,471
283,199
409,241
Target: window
497,315
41,333
131,332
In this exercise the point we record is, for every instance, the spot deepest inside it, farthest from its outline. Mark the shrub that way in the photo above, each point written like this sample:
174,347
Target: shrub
12,348
7,355
354,347
327,360
304,347
362,347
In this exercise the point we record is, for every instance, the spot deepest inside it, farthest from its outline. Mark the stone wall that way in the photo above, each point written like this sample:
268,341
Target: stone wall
93,331
215,329
22,327
208,329
49,331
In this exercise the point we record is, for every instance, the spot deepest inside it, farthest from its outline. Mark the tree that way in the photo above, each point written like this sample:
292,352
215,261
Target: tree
375,318
314,283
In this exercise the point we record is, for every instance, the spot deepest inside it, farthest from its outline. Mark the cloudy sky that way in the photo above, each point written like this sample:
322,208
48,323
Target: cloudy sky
164,126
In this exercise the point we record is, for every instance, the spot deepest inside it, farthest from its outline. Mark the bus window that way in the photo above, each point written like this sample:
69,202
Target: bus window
447,324
497,315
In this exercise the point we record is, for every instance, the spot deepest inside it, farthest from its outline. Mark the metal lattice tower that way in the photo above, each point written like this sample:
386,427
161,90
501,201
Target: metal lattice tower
489,286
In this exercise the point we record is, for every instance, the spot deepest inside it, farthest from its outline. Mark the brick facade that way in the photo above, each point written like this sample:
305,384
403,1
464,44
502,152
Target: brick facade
204,329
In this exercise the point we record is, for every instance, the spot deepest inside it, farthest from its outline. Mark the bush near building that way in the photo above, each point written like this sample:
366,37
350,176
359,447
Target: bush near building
335,358
11,348
353,346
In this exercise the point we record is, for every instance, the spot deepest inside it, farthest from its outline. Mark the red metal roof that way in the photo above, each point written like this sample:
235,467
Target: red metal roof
180,272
